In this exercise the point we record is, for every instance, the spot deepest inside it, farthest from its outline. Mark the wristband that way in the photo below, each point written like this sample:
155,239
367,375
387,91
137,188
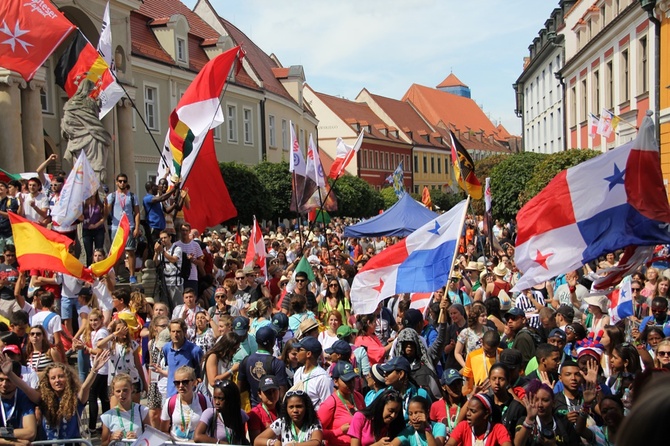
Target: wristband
572,288
529,426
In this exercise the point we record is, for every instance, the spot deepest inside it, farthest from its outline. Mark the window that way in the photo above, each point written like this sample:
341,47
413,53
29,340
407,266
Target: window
302,138
595,88
603,18
248,128
609,86
376,166
573,106
217,133
625,76
232,123
432,164
439,165
151,108
643,67
446,165
386,161
364,161
416,164
272,131
284,134
584,106
181,50
45,93
425,164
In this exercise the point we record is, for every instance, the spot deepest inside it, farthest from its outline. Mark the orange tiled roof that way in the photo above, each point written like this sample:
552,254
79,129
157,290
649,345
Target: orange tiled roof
280,73
471,142
502,132
144,42
451,81
160,9
436,105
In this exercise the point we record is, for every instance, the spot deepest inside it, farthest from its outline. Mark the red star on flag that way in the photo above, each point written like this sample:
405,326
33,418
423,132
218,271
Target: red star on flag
542,258
379,287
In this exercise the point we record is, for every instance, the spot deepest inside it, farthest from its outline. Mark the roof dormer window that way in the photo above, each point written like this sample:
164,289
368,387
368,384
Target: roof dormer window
181,49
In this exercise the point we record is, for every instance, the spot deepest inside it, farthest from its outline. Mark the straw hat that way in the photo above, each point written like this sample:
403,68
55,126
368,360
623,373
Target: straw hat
500,270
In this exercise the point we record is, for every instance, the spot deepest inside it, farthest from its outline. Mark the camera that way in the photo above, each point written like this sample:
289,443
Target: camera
7,432
547,433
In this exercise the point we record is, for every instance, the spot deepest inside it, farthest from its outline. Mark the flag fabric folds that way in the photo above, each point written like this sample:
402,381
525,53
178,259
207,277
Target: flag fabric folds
82,61
345,153
197,112
607,203
314,190
607,123
117,249
464,169
256,254
621,302
593,125
30,32
305,267
299,180
398,181
105,41
419,263
425,198
487,195
81,183
634,258
38,247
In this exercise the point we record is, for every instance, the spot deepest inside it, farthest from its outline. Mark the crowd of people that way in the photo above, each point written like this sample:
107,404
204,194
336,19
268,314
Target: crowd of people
223,354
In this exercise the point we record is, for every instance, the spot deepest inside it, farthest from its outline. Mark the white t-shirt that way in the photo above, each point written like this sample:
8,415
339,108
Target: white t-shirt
97,336
40,200
54,324
29,376
122,360
70,286
194,249
121,420
318,384
102,293
185,418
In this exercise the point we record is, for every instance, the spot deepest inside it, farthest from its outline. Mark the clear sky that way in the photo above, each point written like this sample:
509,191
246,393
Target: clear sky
387,45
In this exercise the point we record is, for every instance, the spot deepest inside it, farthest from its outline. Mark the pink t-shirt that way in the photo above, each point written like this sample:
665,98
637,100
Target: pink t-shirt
361,428
333,414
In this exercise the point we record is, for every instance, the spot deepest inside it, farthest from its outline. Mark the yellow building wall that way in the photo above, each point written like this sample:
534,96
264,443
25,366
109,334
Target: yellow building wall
433,179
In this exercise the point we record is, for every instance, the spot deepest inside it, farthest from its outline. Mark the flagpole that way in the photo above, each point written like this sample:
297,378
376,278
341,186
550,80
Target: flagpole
460,231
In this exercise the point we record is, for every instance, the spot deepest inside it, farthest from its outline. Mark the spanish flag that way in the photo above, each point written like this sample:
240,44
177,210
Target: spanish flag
41,248
464,168
118,248
425,198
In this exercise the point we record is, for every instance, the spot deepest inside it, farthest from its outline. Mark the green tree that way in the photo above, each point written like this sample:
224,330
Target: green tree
276,179
483,170
246,191
551,166
389,197
508,181
356,198
444,201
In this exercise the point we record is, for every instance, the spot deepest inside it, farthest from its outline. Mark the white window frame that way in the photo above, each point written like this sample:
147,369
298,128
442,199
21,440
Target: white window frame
155,103
217,133
284,134
248,125
272,131
232,122
184,50
47,105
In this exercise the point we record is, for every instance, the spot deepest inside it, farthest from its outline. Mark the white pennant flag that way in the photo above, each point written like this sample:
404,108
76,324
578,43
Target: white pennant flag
81,183
297,161
105,42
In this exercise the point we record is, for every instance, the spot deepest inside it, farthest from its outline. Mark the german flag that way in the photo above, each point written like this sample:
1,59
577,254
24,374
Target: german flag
117,250
464,168
38,248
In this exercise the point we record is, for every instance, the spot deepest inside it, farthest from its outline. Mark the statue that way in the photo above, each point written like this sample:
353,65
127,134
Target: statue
83,130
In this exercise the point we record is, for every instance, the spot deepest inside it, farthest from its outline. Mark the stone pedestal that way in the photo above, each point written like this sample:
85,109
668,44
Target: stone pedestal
11,140
32,126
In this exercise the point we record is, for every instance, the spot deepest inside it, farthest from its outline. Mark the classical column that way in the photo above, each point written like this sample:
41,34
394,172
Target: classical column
111,167
11,143
124,112
33,127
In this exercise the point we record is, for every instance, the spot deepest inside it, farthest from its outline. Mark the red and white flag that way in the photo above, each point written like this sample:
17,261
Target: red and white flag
593,125
30,31
345,153
256,251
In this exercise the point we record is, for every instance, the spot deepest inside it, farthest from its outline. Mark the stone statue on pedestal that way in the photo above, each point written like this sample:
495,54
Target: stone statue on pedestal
83,130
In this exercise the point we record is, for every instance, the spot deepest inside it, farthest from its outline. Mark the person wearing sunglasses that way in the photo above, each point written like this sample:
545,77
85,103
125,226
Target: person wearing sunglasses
123,201
181,412
337,411
297,426
226,421
662,357
659,316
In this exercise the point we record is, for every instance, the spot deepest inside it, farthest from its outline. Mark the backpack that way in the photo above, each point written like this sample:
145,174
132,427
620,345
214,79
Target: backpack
172,402
426,379
535,336
184,272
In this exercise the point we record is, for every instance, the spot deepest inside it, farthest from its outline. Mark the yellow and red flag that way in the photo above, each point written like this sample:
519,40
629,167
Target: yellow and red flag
464,168
40,248
116,251
425,198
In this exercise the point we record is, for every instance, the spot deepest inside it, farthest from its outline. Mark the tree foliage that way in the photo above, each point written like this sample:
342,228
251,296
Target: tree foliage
508,181
389,197
276,179
445,201
551,166
483,170
356,198
246,191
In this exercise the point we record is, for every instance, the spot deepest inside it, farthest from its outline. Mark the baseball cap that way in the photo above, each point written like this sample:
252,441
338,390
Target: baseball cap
279,322
514,313
341,348
344,330
397,363
411,318
450,376
12,348
241,325
567,312
266,336
557,333
511,358
310,344
344,371
268,382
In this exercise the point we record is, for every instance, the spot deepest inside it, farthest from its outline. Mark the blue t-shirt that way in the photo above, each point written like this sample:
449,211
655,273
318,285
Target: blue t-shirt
409,437
153,212
189,354
122,203
15,410
66,429
410,393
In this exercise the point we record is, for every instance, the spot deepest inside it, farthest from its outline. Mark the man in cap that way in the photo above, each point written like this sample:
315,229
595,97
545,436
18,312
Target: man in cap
565,315
513,359
361,360
556,337
279,324
247,343
397,373
517,335
262,416
317,382
568,401
454,401
261,363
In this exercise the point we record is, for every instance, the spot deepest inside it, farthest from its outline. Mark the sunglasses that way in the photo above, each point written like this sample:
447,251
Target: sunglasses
183,382
663,353
333,284
221,383
295,393
122,181
300,280
635,290
36,334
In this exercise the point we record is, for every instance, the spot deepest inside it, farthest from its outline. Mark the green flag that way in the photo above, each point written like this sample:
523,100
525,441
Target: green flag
305,267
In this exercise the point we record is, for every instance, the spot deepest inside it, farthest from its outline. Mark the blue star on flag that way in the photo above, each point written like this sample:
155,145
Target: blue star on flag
436,229
616,177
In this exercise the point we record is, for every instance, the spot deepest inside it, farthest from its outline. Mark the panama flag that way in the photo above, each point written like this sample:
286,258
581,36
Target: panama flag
419,263
256,250
345,153
621,301
198,111
606,203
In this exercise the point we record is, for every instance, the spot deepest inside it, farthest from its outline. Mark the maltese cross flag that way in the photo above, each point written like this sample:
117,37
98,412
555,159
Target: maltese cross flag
419,263
30,31
607,203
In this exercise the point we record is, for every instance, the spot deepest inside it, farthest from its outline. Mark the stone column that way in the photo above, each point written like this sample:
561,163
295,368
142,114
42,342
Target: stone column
11,142
126,140
33,126
109,122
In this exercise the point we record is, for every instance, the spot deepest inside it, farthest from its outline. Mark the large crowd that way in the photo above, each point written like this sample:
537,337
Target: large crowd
222,354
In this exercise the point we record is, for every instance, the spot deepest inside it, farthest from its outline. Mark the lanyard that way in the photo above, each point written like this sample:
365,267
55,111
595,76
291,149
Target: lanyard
352,402
227,431
300,437
483,440
539,424
132,418
8,416
451,423
267,411
183,421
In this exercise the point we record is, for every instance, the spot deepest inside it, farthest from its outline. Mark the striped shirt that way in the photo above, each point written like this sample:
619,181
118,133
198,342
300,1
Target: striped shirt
525,304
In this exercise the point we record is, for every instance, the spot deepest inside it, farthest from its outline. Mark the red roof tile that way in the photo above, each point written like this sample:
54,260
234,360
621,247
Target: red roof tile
280,73
436,105
159,9
144,42
451,81
502,132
